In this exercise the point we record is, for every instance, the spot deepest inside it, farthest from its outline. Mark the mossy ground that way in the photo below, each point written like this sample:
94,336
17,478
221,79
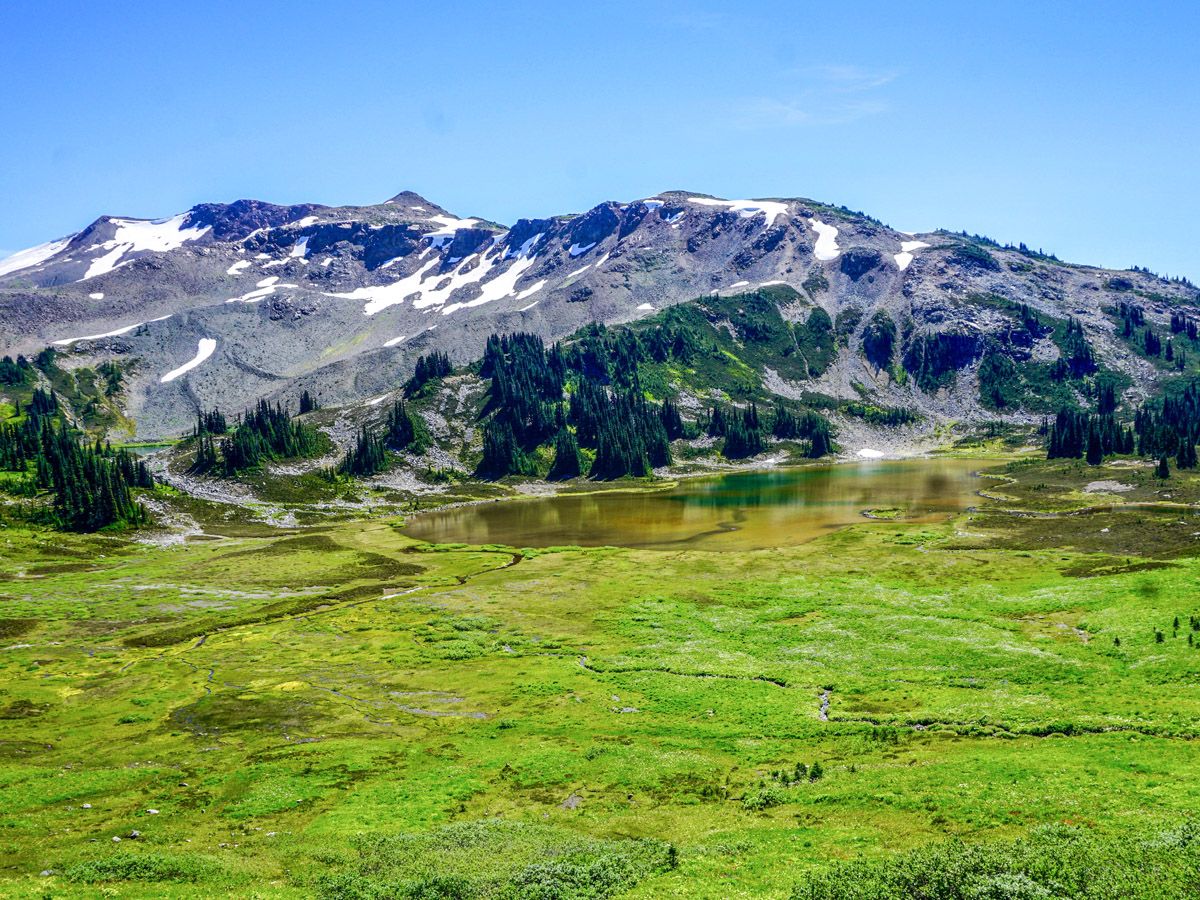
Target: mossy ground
276,695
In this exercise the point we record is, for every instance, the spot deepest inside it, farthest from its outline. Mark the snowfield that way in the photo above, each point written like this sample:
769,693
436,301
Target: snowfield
905,257
381,297
27,259
772,209
826,247
203,351
141,236
472,270
265,288
450,225
95,337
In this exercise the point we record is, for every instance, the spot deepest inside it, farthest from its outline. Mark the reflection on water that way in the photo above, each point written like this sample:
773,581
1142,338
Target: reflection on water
728,512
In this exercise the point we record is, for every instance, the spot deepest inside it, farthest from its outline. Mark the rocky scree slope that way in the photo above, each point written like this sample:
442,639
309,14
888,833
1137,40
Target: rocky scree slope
229,303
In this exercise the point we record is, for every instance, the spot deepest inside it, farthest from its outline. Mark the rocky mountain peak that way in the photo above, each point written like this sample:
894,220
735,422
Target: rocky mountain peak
418,205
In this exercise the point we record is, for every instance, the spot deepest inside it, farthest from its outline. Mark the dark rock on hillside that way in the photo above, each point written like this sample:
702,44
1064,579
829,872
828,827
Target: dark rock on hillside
858,261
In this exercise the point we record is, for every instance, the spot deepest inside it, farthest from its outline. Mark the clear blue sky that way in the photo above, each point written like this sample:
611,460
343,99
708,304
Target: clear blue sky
1070,125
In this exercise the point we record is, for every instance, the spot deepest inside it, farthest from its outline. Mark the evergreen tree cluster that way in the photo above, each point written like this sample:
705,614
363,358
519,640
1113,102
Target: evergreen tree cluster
607,410
879,339
20,441
744,430
1138,332
1171,427
1075,354
264,433
15,372
932,358
368,457
567,461
631,439
308,403
579,407
401,431
1074,434
91,484
743,433
1166,429
430,366
1182,324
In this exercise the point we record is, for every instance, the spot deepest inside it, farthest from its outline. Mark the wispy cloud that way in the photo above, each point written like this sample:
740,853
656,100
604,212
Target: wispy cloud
822,95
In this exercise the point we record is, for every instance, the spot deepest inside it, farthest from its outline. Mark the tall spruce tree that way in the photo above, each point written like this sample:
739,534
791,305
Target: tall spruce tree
566,457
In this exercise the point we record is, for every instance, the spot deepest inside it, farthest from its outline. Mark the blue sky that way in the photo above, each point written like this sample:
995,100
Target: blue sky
1071,126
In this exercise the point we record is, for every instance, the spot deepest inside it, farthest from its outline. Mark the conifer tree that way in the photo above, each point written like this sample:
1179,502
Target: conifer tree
401,431
566,457
1162,470
367,457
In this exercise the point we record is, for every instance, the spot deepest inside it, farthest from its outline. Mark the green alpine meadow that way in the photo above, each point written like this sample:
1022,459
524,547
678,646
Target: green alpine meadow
637,626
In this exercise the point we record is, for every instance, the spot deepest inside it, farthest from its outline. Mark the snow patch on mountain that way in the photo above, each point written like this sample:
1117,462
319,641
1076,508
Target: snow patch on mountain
826,247
525,248
203,351
27,259
380,297
450,225
578,249
461,277
503,285
95,337
263,289
472,270
142,236
531,290
905,257
237,267
747,209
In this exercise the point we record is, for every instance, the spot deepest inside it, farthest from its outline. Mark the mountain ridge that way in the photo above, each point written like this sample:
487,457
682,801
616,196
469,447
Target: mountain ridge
342,300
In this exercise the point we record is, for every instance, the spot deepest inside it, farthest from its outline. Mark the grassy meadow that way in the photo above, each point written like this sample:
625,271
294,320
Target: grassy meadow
343,711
